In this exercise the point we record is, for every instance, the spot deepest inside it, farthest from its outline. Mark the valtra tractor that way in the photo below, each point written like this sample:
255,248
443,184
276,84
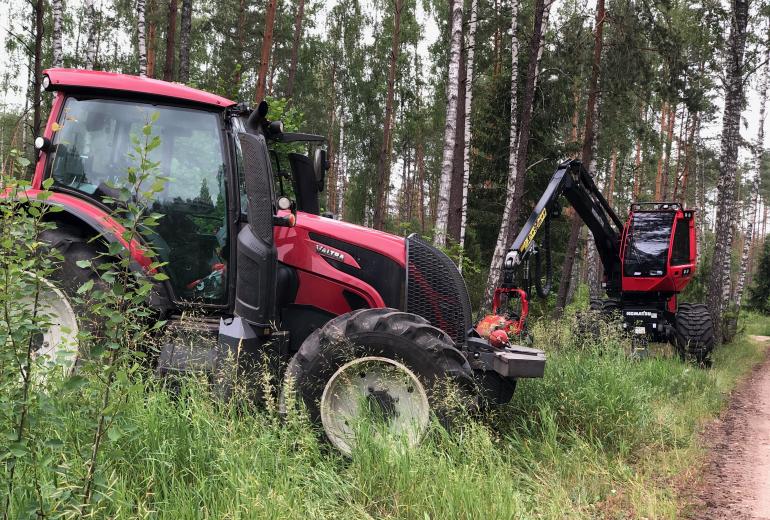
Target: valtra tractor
647,261
360,320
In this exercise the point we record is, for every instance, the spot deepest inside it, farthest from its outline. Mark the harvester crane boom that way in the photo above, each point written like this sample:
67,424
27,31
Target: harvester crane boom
572,180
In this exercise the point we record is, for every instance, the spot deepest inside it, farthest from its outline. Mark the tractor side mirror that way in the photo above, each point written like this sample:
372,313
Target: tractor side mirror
320,166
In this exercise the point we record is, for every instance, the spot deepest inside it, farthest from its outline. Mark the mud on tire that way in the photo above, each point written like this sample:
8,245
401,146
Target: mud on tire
384,333
694,333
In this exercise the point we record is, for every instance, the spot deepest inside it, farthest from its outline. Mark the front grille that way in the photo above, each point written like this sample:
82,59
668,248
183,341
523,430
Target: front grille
435,289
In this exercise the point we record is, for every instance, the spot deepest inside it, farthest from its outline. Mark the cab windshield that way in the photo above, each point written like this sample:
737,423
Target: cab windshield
92,153
647,243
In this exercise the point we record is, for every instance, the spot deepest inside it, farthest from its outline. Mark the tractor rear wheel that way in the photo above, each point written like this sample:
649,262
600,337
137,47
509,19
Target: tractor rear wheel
388,366
694,333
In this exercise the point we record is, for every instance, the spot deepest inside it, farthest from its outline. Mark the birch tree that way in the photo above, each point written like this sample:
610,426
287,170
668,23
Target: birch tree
759,148
38,73
469,63
516,177
450,127
56,12
142,41
91,38
513,151
719,281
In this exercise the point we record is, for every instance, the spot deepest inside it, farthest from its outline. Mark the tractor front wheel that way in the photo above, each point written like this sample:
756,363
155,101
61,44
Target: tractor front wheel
380,367
694,333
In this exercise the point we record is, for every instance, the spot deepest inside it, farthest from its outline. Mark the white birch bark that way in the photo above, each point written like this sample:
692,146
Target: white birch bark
469,62
141,28
595,267
495,266
719,282
56,9
91,40
450,128
758,149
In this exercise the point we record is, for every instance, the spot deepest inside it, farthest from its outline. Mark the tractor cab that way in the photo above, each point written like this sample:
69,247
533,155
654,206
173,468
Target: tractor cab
658,249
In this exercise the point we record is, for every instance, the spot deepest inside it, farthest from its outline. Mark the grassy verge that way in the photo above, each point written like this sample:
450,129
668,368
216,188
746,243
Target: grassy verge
602,435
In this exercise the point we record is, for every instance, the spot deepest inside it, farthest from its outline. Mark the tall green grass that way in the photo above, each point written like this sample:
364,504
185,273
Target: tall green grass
602,435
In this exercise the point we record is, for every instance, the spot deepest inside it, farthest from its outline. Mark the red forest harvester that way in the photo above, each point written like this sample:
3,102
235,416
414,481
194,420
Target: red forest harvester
354,315
647,261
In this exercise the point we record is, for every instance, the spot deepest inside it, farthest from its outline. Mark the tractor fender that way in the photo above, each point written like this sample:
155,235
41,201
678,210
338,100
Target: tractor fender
96,218
100,223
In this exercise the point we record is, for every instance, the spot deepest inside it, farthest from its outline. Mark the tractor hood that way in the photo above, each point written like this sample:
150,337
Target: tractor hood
331,232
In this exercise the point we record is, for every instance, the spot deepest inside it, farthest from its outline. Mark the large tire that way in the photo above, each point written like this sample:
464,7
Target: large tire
694,333
414,346
608,307
68,277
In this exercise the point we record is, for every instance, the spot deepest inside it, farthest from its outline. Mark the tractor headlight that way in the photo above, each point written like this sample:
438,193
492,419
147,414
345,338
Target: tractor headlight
46,82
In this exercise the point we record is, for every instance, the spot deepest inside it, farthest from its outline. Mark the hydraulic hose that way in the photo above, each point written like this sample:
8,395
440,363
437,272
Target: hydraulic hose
544,290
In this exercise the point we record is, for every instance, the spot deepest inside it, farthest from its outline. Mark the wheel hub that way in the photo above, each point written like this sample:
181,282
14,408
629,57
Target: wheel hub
377,391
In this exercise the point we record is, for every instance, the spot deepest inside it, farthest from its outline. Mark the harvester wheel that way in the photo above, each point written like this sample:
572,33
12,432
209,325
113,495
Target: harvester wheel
608,307
694,333
388,366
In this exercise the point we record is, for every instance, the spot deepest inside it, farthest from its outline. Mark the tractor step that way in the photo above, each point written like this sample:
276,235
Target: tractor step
519,362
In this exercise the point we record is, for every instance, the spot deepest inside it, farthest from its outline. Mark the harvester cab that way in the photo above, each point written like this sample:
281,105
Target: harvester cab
647,261
355,319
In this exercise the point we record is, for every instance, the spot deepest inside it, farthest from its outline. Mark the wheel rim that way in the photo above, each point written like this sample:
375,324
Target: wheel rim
377,390
57,344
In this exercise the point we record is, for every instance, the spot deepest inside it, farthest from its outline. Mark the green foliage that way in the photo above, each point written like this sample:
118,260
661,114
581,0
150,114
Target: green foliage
38,397
759,293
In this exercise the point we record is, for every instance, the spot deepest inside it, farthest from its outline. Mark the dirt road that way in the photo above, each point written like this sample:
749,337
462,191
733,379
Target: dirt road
737,481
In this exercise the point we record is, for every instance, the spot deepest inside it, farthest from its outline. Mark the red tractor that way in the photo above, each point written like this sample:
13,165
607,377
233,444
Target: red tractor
355,315
647,261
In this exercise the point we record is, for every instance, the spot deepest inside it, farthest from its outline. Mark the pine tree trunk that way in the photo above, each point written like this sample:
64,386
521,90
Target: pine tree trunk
680,190
759,148
56,11
295,47
267,46
91,40
470,62
667,154
587,156
719,281
383,163
184,42
168,70
661,158
450,127
142,42
151,33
